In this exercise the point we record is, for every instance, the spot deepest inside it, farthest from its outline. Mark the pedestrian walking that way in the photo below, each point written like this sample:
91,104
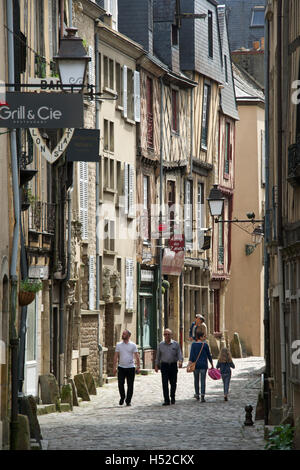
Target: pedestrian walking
200,352
168,354
126,352
198,325
225,365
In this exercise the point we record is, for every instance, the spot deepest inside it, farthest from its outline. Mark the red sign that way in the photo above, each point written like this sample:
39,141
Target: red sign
176,243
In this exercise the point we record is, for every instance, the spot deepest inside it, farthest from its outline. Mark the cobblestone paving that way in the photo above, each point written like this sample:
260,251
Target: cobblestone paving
189,424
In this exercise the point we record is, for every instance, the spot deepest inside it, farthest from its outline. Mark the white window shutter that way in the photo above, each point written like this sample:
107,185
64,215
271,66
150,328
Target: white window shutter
91,66
137,97
131,190
91,284
129,284
126,188
188,214
125,91
83,190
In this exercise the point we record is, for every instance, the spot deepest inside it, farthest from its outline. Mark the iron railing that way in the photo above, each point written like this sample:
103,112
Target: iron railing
42,217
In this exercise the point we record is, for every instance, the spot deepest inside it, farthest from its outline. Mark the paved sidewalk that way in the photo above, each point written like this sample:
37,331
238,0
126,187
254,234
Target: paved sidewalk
187,425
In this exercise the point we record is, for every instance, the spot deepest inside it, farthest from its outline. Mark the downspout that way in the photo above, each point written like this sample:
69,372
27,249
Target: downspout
14,341
267,373
279,206
100,347
160,214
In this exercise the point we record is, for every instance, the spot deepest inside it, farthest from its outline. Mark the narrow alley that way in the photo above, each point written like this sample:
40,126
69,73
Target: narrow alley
102,424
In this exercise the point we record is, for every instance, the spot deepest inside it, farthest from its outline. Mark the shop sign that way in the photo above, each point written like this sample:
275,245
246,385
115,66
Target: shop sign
41,110
53,155
172,262
84,146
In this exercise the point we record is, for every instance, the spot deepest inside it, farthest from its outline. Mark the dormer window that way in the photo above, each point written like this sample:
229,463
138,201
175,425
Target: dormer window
111,7
174,35
258,16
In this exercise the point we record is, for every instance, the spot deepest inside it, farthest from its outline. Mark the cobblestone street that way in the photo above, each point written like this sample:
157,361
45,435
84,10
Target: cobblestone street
103,424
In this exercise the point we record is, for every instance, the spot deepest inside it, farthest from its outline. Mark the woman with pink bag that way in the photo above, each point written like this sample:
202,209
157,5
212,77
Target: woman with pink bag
225,365
200,353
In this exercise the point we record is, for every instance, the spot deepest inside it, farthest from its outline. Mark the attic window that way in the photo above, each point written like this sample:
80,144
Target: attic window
258,16
174,35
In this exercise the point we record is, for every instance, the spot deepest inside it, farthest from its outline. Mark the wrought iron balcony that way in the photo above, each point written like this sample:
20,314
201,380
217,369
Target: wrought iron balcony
294,163
42,217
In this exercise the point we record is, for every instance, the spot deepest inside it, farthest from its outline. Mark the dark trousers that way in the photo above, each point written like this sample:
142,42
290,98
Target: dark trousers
169,374
128,374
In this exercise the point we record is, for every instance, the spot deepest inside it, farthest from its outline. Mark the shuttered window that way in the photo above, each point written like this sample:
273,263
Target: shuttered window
83,195
92,66
188,218
205,115
200,215
129,284
91,283
125,91
137,97
129,177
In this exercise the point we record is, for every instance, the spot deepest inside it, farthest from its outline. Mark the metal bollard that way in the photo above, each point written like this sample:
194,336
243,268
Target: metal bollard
248,418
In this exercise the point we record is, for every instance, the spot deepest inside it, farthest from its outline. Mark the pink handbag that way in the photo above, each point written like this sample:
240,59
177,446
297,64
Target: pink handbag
214,374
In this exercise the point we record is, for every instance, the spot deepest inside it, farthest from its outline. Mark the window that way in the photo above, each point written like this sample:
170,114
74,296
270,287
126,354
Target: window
108,73
83,195
226,68
131,94
108,136
109,235
227,150
205,115
258,16
175,123
129,176
174,35
200,214
109,174
129,284
171,204
149,92
188,217
210,34
119,84
146,219
111,6
221,241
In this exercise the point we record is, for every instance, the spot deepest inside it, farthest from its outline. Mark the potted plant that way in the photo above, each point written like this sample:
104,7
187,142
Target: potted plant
28,289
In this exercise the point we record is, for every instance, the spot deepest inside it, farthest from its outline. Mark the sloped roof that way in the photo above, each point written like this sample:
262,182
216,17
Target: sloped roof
228,101
246,88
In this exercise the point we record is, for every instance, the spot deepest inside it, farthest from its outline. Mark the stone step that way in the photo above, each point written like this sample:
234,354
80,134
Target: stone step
65,407
111,379
146,371
45,409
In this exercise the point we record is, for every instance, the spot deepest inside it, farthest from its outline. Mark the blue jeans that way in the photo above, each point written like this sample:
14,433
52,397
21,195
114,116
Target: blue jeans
226,381
197,374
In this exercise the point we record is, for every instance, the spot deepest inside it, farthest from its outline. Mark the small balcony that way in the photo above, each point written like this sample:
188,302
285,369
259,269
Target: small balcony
294,163
42,217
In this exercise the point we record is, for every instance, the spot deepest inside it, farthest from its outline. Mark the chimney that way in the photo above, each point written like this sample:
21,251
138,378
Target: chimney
256,45
262,43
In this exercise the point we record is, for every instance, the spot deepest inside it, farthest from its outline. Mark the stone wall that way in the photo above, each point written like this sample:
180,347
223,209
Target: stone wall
89,339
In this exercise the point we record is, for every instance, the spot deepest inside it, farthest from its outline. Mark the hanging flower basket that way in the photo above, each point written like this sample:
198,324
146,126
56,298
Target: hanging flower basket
25,298
28,289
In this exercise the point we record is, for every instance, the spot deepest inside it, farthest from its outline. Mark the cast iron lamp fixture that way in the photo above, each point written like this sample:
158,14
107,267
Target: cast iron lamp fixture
72,60
216,203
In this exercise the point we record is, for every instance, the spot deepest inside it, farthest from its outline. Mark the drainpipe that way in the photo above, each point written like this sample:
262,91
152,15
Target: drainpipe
14,342
160,214
98,274
279,207
267,373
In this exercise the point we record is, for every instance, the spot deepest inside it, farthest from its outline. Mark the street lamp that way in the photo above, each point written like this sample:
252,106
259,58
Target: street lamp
215,201
72,60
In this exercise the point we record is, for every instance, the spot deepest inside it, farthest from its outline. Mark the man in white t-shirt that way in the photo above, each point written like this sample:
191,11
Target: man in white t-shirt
126,352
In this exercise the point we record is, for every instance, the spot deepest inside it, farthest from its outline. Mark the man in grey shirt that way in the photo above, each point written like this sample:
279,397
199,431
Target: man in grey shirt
168,353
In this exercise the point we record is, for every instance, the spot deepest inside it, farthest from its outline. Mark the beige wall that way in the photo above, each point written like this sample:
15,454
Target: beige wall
244,296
